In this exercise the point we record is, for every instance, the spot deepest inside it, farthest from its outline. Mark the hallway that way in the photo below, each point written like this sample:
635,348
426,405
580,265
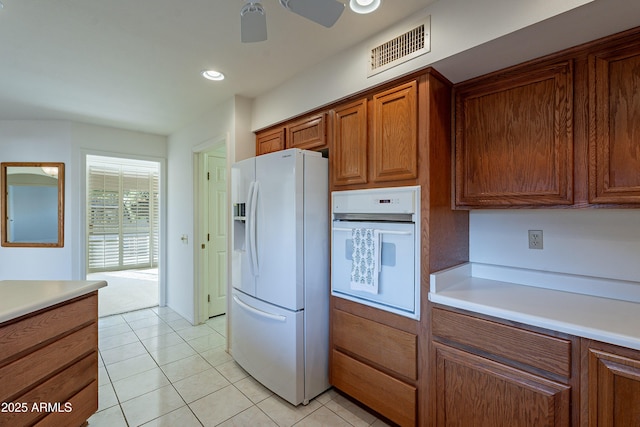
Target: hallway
127,290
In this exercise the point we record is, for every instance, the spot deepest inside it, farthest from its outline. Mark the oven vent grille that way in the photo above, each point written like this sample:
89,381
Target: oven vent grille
408,45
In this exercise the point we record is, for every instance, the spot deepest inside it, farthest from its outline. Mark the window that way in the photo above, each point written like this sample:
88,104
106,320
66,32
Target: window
123,214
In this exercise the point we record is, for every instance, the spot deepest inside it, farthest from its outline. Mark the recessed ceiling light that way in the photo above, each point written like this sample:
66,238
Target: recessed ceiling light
364,6
213,75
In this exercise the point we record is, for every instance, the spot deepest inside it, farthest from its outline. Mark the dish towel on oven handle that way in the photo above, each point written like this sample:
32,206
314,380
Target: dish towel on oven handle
366,258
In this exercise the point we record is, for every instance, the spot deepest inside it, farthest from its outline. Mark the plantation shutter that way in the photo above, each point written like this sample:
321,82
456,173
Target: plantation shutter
123,223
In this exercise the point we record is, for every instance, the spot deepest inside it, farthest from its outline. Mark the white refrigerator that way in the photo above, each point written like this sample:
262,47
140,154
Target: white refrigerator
280,272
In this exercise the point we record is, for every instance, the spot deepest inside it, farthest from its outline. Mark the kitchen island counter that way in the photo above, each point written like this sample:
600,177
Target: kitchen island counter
48,352
22,297
596,308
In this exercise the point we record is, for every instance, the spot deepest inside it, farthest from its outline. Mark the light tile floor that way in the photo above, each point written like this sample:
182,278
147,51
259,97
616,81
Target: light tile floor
156,369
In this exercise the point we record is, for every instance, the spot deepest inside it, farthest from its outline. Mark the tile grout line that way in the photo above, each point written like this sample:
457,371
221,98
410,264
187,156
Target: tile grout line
191,346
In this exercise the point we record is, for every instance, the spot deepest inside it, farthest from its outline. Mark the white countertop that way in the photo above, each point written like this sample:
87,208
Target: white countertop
20,297
597,308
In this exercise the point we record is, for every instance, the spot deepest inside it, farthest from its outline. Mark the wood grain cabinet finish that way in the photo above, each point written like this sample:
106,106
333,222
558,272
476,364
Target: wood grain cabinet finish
543,352
493,374
513,138
388,348
395,133
375,139
389,396
612,375
308,133
475,391
270,140
614,125
51,357
376,364
349,144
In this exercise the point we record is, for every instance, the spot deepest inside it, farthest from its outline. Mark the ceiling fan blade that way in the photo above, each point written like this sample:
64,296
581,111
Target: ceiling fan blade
323,12
253,23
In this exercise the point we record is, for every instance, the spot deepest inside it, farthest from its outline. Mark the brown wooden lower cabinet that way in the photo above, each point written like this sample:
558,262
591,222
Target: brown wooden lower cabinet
376,364
385,394
474,391
487,372
612,376
49,365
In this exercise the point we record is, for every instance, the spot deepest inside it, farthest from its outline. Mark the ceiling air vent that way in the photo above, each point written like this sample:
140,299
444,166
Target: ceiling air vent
411,43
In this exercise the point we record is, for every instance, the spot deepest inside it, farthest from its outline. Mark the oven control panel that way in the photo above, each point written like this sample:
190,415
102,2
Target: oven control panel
376,200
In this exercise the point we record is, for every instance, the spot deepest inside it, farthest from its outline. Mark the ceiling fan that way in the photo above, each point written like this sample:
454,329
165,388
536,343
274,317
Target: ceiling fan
253,20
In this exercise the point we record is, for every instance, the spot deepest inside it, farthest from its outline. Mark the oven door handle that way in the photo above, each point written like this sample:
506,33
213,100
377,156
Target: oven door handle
401,233
378,236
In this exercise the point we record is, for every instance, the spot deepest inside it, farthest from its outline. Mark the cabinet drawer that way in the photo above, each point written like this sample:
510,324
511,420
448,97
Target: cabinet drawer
84,404
382,393
59,389
32,331
388,347
37,366
540,351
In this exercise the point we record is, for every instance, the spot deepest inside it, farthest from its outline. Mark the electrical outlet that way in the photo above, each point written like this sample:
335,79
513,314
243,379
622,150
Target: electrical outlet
535,239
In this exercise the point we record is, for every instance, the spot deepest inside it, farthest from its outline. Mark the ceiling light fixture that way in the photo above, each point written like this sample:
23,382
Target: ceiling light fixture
213,75
364,6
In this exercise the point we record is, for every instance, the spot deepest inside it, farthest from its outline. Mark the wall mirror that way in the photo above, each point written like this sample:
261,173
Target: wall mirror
32,204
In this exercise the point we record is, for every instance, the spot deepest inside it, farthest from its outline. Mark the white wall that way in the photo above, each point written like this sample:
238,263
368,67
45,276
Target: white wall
468,39
231,121
62,141
456,26
592,242
33,141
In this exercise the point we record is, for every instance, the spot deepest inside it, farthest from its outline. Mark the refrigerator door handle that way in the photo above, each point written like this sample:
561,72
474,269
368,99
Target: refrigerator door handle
249,220
258,312
252,228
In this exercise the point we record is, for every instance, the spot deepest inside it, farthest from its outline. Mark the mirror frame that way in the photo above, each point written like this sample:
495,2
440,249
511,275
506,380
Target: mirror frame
3,204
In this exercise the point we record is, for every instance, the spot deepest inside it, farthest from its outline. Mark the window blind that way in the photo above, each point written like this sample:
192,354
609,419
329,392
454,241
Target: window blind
123,216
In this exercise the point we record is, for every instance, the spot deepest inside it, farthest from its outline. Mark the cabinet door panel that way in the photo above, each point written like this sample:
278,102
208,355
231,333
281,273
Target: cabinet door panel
349,152
473,391
308,133
614,390
395,133
514,139
614,86
270,141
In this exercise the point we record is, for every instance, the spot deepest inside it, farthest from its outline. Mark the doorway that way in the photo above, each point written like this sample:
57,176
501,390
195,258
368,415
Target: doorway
123,231
211,210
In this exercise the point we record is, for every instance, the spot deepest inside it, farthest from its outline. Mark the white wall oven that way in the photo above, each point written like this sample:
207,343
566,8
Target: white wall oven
375,248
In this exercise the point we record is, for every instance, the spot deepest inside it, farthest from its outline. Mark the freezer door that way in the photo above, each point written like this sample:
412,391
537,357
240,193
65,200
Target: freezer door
243,175
279,228
267,341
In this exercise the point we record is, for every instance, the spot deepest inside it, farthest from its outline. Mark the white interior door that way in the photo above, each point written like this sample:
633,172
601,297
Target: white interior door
217,232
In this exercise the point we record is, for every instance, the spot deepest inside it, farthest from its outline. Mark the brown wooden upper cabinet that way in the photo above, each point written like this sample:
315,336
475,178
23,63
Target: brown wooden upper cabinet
395,133
270,140
614,123
349,150
375,139
513,138
307,133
